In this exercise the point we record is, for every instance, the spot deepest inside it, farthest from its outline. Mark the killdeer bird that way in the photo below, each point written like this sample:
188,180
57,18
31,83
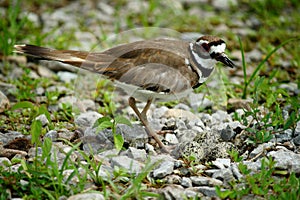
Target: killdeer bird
159,69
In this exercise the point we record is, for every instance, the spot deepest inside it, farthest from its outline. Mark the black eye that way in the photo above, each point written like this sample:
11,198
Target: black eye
205,46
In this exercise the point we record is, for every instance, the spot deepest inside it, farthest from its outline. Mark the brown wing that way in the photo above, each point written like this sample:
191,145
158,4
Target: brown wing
148,64
156,77
120,58
123,62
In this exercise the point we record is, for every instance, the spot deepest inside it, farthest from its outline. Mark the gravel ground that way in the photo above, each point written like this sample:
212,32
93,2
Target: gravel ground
207,137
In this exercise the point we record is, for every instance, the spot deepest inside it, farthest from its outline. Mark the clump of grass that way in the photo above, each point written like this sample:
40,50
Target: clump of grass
10,25
269,102
43,178
247,81
262,184
266,118
104,95
25,86
108,122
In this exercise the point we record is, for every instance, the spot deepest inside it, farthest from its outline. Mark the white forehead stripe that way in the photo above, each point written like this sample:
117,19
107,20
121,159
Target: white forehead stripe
201,42
218,49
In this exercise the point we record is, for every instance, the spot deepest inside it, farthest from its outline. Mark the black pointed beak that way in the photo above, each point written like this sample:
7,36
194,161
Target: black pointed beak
225,60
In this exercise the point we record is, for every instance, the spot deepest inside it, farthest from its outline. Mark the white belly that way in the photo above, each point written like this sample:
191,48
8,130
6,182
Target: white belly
144,95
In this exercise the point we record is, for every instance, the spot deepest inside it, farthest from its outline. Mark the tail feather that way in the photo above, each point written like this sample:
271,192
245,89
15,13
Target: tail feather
66,56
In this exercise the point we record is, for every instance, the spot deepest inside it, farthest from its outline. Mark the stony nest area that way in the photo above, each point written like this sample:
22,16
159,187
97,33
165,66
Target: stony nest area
202,141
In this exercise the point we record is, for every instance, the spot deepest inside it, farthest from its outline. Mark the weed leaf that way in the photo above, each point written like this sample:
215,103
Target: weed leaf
119,141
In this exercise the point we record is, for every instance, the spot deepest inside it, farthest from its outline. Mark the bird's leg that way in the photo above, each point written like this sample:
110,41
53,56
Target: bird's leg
143,117
146,108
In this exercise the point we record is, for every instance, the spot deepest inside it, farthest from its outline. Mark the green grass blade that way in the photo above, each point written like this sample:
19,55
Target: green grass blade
22,105
253,75
244,69
260,65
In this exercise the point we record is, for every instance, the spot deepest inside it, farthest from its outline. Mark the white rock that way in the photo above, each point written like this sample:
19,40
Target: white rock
43,119
66,77
171,138
87,119
207,191
4,102
286,160
85,196
224,4
132,166
4,162
186,182
221,163
137,154
164,169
